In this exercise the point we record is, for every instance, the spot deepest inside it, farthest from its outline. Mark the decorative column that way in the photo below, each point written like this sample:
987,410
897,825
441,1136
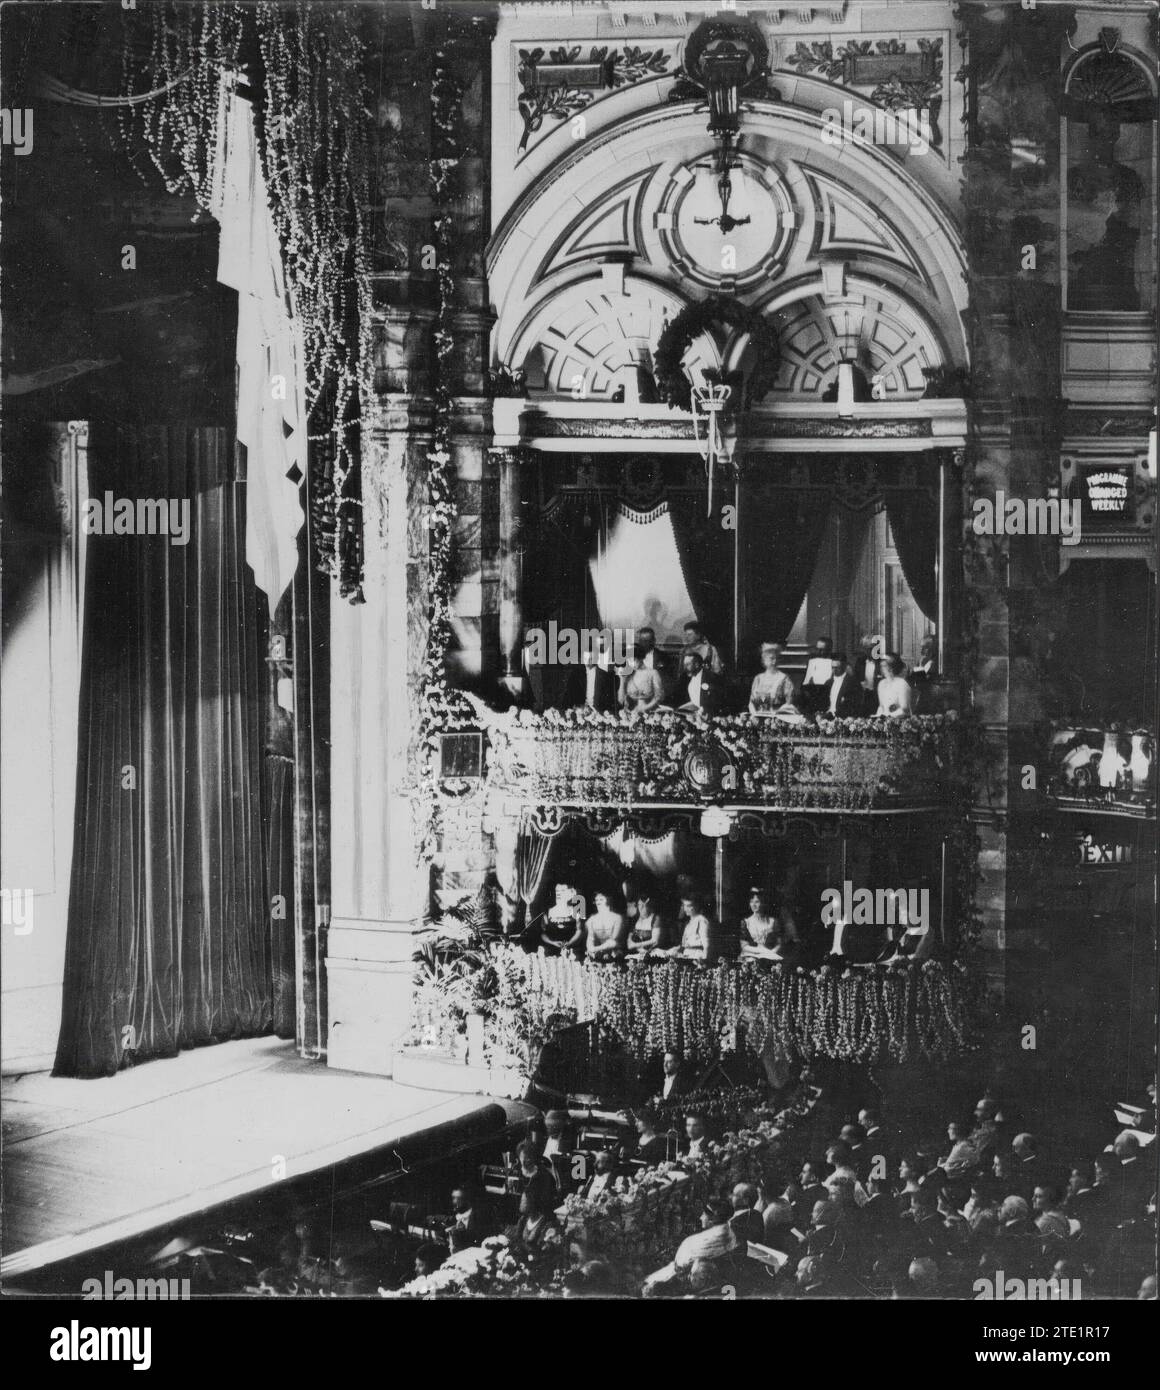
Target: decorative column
380,888
511,562
430,330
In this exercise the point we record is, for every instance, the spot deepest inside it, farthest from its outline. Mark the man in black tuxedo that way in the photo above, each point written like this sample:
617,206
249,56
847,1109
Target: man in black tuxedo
675,1079
469,1221
811,1188
698,688
592,686
844,697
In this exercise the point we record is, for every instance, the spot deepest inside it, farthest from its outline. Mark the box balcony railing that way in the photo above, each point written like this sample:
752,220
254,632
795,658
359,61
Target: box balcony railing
577,757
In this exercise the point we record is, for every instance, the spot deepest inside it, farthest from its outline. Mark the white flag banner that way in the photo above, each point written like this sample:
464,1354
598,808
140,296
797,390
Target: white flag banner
271,399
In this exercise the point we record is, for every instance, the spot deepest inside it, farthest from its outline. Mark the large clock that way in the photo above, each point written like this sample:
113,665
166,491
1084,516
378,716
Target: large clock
726,226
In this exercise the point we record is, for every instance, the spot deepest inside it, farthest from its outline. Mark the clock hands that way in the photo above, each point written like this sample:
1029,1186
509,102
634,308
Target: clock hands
723,167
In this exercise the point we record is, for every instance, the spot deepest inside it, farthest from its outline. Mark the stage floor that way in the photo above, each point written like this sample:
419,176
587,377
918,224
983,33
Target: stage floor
87,1163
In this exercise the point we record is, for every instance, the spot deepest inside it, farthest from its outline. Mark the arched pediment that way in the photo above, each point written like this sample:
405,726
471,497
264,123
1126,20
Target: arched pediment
841,244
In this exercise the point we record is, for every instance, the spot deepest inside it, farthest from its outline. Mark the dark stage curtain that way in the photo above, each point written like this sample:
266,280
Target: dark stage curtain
914,520
781,532
169,928
705,549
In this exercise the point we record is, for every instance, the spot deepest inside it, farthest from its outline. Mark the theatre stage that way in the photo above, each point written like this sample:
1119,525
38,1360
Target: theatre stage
86,1163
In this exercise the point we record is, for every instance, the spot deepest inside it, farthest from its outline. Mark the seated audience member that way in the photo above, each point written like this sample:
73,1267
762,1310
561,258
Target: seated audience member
810,1189
603,1179
562,926
559,1136
825,1236
780,1233
879,1140
819,674
763,936
700,938
641,688
1147,1291
537,1233
428,1258
531,1167
746,1219
924,1277
840,1159
696,1135
845,697
1137,1179
988,1134
696,641
650,931
1048,1210
854,1137
652,1147
810,1279
985,1196
929,1232
671,1080
895,698
880,1214
592,686
715,1244
469,1224
962,1156
925,669
1014,1218
911,1171
1027,1166
772,687
698,691
607,932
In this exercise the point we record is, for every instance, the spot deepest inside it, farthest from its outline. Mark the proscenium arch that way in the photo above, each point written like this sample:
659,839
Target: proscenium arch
662,140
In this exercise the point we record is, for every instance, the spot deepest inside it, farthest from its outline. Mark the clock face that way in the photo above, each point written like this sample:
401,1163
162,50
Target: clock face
726,226
734,242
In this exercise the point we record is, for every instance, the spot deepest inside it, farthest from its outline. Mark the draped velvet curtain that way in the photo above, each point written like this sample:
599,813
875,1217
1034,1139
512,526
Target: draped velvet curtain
533,848
914,524
169,930
781,534
705,549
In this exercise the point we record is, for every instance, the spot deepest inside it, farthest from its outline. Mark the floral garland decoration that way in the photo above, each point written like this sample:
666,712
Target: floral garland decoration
306,66
899,1012
693,320
312,130
441,708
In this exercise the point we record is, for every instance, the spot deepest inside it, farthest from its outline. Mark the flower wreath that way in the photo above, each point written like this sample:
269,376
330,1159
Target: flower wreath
695,319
